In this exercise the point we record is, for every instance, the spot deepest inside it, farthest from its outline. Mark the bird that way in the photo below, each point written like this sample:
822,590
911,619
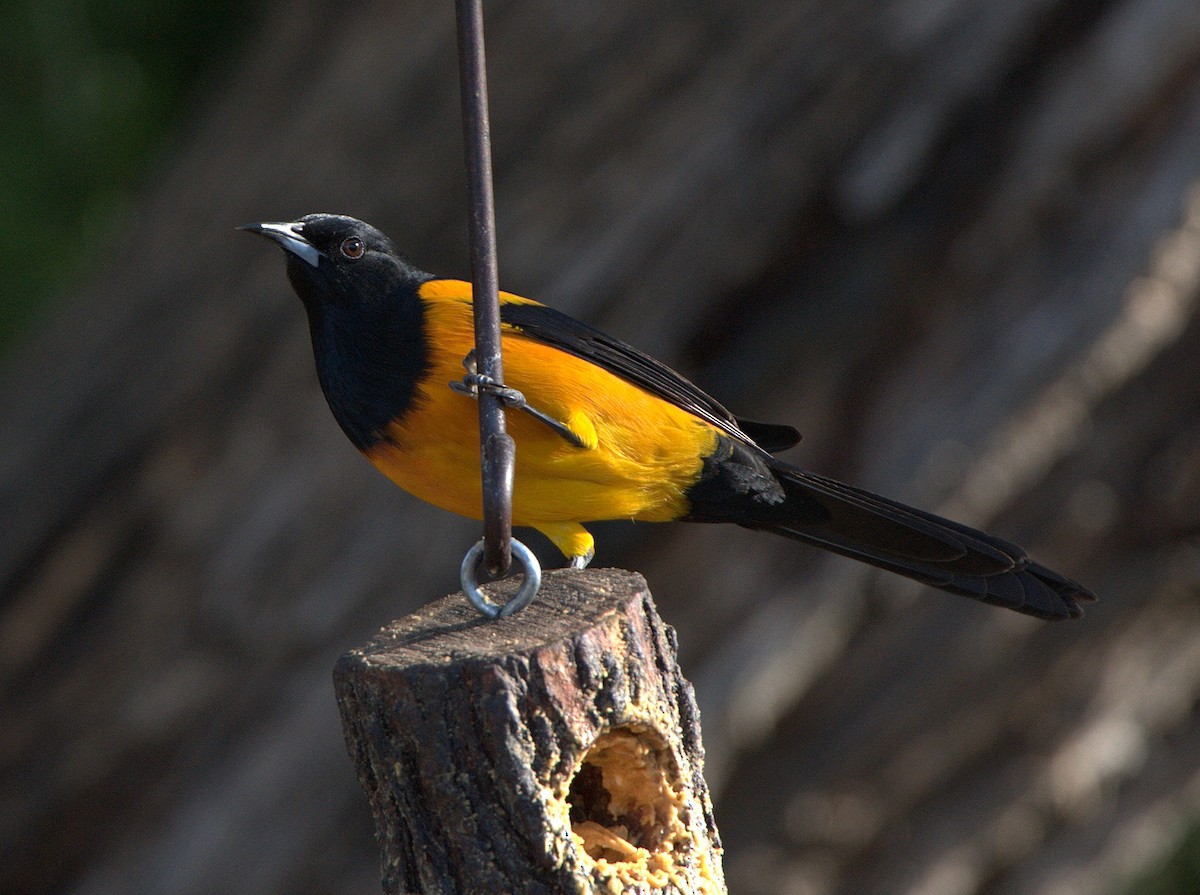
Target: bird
608,432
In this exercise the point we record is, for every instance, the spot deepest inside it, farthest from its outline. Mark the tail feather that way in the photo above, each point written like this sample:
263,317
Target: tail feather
916,544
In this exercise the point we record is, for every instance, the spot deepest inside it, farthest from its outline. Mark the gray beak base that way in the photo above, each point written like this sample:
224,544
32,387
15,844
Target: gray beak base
289,238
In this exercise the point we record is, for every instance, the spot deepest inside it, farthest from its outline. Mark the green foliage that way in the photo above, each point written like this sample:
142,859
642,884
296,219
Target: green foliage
90,90
1178,874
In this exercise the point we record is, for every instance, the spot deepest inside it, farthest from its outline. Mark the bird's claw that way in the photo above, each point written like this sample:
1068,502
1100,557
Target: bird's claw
581,562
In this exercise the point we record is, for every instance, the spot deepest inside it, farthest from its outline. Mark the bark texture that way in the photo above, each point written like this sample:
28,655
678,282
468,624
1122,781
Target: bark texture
957,244
556,751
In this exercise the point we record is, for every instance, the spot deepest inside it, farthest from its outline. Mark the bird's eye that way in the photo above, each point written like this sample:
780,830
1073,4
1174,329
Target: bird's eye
352,247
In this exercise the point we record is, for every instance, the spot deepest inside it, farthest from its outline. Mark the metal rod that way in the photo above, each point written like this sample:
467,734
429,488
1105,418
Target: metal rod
497,448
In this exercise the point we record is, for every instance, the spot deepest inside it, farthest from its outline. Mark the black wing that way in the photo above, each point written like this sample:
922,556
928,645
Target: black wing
771,437
567,334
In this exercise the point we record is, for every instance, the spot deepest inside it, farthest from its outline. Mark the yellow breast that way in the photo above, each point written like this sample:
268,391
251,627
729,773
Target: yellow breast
643,452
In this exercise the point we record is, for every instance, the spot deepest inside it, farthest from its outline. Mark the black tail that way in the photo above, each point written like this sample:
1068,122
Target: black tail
741,483
916,544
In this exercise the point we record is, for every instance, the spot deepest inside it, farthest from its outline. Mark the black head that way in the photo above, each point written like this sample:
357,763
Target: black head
364,314
338,260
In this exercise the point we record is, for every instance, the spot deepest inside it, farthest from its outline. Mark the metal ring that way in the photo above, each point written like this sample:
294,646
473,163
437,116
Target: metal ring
531,568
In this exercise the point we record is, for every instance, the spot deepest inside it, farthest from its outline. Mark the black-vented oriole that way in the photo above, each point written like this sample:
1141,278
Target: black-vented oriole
614,433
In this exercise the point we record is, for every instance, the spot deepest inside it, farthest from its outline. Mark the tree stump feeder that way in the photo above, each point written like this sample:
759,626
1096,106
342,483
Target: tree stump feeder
556,751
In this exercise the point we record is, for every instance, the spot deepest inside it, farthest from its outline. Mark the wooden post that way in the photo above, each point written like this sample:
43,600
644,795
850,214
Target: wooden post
556,751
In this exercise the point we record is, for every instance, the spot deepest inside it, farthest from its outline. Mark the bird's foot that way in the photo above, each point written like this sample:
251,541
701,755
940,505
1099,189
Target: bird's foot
572,540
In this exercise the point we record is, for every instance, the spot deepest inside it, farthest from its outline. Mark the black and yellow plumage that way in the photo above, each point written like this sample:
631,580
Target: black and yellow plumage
644,443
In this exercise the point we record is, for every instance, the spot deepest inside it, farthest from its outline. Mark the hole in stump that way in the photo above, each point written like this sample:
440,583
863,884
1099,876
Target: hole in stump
624,798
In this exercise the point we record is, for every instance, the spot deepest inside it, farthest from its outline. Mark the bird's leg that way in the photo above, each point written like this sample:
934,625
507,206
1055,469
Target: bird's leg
573,540
474,382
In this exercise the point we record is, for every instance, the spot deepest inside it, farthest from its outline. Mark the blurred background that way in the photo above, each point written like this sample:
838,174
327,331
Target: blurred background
956,243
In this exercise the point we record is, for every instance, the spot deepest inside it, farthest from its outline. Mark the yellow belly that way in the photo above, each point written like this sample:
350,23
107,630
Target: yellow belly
647,451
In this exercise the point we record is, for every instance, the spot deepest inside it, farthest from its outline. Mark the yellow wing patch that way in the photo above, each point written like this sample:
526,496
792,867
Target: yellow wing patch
581,427
460,290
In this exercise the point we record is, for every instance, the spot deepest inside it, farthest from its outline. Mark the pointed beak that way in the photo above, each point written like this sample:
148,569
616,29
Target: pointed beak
289,237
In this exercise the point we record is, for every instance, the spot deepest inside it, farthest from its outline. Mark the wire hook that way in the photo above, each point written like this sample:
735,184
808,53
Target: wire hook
497,451
530,567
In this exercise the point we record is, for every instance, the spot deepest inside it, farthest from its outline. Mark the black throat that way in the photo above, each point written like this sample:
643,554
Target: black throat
370,358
